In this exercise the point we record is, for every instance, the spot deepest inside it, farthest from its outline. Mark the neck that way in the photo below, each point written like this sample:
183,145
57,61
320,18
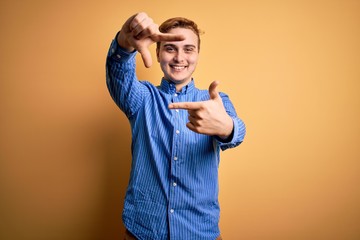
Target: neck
179,86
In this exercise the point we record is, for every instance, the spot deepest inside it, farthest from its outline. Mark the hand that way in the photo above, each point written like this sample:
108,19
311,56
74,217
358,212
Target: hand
139,32
208,117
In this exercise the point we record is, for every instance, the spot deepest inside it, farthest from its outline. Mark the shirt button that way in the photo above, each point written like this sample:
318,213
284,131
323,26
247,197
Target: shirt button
177,131
171,210
175,158
112,50
177,110
118,56
174,184
175,94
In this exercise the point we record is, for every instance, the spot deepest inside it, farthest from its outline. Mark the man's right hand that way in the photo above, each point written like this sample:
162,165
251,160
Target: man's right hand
139,32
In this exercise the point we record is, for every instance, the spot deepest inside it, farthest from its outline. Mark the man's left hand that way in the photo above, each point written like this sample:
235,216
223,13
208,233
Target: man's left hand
208,117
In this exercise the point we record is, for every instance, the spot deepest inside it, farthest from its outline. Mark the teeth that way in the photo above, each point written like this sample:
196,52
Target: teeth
178,67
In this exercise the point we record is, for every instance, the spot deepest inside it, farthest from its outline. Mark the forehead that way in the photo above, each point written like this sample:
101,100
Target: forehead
190,37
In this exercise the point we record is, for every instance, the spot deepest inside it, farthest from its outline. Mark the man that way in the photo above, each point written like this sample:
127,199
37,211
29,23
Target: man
177,132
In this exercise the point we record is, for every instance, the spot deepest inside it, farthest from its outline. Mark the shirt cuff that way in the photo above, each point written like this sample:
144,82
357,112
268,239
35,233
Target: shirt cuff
238,135
119,54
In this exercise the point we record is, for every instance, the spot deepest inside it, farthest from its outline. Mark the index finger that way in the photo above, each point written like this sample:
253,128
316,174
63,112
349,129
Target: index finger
167,37
146,56
186,105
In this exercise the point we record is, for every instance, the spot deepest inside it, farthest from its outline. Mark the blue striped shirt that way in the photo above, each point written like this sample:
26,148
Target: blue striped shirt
173,187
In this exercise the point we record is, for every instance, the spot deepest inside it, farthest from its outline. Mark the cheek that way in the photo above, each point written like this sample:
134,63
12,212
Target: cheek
163,58
193,60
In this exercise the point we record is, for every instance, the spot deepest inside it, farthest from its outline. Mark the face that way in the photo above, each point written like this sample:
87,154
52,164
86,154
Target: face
178,59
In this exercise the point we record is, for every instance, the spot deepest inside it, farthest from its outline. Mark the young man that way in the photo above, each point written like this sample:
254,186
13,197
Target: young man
177,132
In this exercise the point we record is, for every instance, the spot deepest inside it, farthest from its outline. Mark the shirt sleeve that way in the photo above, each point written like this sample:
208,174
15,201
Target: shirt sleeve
239,130
125,89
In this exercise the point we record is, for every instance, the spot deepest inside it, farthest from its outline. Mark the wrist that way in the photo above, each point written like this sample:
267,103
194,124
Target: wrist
227,129
123,42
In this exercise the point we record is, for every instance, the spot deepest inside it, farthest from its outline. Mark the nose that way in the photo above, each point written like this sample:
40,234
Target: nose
179,56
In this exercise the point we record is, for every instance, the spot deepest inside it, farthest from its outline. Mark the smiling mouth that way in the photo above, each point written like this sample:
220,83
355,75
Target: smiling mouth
178,68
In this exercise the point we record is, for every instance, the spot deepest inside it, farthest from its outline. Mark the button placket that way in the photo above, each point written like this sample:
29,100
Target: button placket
174,165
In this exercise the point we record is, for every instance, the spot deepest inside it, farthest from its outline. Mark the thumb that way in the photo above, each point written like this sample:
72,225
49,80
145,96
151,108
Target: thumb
214,94
146,56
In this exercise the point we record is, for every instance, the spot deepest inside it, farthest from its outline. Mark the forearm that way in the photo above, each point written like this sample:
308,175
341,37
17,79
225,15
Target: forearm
238,127
121,80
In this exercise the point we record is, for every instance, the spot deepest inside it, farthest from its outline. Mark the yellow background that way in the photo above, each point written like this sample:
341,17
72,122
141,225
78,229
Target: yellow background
292,69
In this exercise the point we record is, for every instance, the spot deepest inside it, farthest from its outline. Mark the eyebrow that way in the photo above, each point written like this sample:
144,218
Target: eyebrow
173,45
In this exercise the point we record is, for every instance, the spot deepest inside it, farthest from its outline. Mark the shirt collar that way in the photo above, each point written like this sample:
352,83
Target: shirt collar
170,88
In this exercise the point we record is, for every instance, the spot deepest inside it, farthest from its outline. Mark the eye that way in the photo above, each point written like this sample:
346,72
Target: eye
169,49
189,49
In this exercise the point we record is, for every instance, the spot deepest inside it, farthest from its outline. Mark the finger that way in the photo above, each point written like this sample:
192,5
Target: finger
192,127
136,19
145,31
144,28
194,113
127,25
167,37
214,94
186,105
194,121
146,56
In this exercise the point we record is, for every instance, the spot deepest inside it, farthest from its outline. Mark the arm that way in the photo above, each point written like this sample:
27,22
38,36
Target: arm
127,92
239,130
